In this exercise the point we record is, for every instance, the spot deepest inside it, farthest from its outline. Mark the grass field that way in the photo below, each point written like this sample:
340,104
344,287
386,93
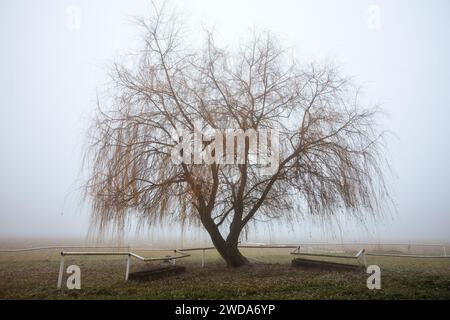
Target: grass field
34,276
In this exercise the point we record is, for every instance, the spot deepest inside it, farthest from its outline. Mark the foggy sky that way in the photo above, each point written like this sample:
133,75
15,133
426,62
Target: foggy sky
50,73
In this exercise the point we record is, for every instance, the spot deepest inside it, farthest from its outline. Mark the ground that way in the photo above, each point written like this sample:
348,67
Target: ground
34,276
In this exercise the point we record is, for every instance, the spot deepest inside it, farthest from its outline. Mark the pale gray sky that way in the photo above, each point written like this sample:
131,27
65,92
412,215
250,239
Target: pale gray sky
51,69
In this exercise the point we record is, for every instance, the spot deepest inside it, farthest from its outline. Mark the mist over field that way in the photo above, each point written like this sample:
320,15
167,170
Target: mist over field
54,61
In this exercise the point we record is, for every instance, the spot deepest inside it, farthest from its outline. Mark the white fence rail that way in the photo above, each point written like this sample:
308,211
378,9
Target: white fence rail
128,254
299,249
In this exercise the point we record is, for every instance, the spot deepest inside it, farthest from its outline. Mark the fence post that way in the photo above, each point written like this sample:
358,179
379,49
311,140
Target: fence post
61,271
127,272
364,258
203,258
361,257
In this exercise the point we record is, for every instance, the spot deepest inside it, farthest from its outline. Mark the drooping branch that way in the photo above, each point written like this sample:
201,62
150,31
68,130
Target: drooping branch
330,148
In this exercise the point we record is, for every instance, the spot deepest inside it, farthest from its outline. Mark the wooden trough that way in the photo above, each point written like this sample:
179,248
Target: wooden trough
324,265
156,273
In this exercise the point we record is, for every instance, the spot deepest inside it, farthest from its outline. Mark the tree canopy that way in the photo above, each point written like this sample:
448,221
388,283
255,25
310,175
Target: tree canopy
329,148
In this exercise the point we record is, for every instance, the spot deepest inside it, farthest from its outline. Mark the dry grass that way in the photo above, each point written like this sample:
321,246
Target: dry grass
34,276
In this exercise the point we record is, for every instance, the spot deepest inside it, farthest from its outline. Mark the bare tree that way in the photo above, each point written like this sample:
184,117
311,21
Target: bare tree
330,150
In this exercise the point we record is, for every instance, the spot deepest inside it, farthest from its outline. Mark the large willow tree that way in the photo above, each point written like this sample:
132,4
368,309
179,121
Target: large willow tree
330,151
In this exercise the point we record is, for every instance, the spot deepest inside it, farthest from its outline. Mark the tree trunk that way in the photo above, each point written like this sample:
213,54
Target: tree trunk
228,249
230,253
233,256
